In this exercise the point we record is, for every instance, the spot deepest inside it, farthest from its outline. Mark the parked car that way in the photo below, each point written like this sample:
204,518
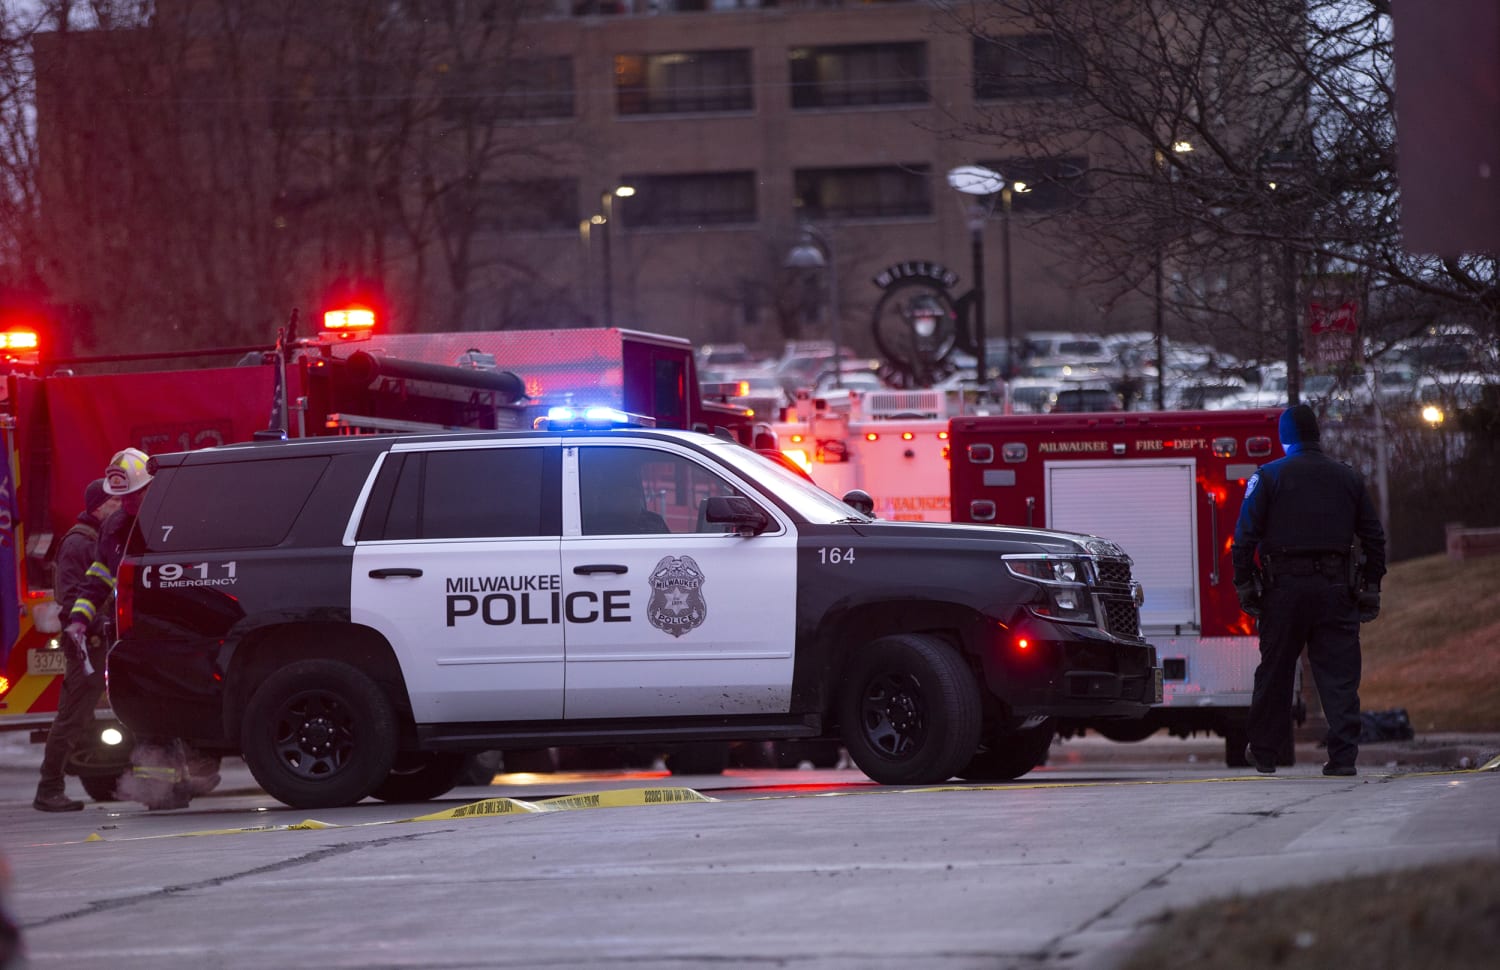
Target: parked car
1077,399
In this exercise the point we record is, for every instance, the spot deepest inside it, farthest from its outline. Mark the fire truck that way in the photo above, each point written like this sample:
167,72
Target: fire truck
891,444
58,429
1167,488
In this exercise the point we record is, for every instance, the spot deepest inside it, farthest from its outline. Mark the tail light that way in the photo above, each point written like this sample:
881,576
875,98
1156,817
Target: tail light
125,598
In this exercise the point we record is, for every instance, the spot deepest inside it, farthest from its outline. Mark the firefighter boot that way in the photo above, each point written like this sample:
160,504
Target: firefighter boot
56,802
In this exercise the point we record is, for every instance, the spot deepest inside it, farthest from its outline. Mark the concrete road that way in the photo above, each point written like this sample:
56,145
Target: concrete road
1064,868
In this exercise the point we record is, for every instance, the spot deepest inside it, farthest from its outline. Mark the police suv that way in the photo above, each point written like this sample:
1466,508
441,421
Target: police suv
354,614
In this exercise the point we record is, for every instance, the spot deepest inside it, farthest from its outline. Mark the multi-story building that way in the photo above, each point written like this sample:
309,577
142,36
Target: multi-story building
462,157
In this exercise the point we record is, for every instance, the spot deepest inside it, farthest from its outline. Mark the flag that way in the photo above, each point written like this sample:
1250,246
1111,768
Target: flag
10,553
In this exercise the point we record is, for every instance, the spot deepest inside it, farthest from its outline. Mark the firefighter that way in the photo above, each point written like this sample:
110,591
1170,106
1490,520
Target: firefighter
83,683
160,779
1302,514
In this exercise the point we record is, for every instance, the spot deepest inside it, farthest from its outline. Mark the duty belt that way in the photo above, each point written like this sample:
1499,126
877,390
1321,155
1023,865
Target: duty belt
1333,565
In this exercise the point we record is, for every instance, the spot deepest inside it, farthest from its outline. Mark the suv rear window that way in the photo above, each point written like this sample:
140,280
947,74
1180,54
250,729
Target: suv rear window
233,505
465,494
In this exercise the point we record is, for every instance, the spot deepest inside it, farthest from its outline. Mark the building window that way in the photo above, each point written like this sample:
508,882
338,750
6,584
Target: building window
879,191
515,89
700,199
859,74
1052,184
1024,66
683,82
525,205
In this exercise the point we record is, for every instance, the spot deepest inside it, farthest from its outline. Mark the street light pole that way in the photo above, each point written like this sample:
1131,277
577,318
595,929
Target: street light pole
606,220
977,217
1010,334
980,182
815,251
585,237
1160,335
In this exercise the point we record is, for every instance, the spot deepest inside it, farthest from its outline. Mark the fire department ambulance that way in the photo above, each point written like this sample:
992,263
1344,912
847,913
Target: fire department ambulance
891,444
1165,486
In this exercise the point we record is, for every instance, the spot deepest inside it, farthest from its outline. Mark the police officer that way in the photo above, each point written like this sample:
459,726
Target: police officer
83,683
1302,514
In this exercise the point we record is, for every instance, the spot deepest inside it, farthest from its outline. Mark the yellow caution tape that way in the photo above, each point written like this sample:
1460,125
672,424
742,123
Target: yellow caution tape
634,797
485,808
623,798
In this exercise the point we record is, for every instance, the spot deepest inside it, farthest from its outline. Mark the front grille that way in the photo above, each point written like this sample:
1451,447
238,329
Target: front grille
1114,571
1121,618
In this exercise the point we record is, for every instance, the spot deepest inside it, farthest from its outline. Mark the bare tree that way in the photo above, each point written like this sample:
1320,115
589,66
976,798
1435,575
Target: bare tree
1243,146
203,165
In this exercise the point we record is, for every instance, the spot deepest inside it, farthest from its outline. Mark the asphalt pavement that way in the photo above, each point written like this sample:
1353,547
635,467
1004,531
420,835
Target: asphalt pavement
1428,752
1065,869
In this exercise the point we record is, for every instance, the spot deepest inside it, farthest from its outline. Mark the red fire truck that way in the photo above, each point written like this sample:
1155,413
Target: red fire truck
1165,486
58,430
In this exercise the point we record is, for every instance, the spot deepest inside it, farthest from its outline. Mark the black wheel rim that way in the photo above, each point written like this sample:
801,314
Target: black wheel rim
895,723
314,734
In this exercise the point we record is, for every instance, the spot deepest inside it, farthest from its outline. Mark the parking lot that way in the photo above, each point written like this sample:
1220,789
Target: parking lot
1067,867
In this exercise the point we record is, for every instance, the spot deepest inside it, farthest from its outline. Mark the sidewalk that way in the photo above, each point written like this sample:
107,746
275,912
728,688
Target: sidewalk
1425,752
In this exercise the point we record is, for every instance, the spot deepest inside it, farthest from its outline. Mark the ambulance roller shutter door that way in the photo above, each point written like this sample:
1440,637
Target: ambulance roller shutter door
1148,508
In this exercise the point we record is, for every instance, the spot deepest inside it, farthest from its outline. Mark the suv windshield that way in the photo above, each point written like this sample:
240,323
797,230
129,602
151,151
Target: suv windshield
805,498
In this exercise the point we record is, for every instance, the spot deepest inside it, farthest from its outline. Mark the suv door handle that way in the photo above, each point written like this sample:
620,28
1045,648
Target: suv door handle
398,571
599,567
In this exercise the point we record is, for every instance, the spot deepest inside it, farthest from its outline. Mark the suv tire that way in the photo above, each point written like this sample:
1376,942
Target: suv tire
1009,756
421,776
910,710
318,734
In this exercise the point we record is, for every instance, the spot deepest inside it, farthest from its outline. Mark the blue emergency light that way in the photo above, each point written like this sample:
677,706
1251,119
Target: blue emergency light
592,418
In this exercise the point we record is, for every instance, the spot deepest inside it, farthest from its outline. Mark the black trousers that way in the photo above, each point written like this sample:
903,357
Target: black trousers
1316,612
75,713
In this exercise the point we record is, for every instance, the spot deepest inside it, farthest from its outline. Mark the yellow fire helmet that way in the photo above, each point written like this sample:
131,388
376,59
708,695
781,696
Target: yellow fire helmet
126,472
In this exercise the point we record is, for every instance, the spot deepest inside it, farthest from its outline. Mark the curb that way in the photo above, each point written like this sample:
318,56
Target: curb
1427,755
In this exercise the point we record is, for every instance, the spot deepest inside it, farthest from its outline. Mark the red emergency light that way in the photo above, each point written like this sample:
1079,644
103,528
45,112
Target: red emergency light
349,323
19,341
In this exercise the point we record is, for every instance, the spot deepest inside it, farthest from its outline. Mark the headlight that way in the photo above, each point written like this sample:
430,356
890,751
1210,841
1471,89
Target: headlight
1046,569
1070,603
1065,594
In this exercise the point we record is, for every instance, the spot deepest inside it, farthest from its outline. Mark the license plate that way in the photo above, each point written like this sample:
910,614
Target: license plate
1157,687
45,663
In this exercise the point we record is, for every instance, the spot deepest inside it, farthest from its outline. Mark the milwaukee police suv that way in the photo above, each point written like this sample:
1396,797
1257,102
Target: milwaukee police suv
353,614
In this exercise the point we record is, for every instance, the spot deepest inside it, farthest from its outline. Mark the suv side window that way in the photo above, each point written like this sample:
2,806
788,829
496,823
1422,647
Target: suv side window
641,491
465,494
234,504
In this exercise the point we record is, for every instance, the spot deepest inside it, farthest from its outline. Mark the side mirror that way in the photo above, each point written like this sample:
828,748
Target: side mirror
861,500
738,511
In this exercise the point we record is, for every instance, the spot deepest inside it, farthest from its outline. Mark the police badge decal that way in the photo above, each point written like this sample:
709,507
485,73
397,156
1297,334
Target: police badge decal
677,605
